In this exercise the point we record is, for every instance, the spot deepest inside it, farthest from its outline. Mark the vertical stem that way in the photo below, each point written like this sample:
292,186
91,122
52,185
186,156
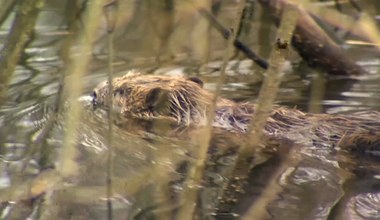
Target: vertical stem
274,74
318,87
110,128
270,85
200,35
6,8
196,171
265,101
67,166
110,12
73,86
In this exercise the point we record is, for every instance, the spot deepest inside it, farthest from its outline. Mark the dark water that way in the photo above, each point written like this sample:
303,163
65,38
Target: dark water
323,185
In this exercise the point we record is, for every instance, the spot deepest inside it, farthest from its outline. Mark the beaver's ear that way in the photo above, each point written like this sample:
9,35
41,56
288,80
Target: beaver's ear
157,98
196,80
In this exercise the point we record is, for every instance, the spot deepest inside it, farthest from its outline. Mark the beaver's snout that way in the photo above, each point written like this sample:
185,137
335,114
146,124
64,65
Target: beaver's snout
94,100
99,94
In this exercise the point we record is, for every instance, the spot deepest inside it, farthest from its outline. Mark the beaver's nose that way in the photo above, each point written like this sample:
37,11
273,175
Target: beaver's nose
94,96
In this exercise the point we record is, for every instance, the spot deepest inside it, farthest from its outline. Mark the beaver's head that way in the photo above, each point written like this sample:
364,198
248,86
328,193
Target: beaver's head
150,96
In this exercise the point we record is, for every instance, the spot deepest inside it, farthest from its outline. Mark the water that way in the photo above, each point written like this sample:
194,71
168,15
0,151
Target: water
323,185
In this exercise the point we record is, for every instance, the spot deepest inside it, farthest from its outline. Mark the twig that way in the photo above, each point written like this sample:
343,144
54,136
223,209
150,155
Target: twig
67,166
363,27
73,85
353,3
196,171
317,92
237,43
6,8
110,11
272,80
46,160
266,97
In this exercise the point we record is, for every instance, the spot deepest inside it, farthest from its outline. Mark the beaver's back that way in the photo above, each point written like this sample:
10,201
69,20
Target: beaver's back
184,101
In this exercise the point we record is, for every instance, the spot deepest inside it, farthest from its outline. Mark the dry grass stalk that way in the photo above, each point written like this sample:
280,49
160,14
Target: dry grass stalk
73,86
270,85
265,101
274,75
194,178
318,87
47,158
5,9
110,12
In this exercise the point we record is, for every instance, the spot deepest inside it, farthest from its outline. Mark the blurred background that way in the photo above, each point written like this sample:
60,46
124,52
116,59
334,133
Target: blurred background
170,37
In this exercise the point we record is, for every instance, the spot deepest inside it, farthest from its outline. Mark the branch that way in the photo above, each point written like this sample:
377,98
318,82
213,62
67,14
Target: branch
237,43
313,44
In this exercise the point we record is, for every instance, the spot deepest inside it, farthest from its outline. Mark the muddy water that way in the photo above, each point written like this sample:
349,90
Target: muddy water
323,185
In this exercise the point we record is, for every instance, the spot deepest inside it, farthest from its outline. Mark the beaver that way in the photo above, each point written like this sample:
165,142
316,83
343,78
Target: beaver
143,99
184,101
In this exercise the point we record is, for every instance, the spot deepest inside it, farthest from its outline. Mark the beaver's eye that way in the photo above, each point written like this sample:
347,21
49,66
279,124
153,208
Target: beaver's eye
118,92
122,91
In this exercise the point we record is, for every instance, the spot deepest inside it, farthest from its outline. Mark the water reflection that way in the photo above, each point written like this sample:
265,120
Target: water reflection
311,190
313,180
365,206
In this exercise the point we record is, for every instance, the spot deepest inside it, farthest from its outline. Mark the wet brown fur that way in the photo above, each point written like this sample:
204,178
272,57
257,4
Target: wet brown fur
146,97
184,101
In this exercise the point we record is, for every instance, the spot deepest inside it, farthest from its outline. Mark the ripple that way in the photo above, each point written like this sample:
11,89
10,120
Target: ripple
364,206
